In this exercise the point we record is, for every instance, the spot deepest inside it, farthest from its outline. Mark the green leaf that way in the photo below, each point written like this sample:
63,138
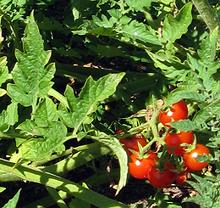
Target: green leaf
174,28
178,95
3,70
31,78
9,117
51,140
29,127
170,66
138,5
12,203
89,98
185,125
208,192
207,112
207,51
118,150
76,203
45,113
2,189
139,32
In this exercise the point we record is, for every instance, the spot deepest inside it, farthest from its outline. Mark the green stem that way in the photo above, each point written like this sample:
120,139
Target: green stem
207,14
78,159
46,201
57,198
86,153
56,182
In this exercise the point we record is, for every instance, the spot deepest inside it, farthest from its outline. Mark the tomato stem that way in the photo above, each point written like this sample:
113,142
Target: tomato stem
206,11
50,180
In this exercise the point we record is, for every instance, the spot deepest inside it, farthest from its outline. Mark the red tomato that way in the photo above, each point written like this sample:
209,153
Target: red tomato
181,178
139,168
132,142
191,158
174,142
178,111
161,178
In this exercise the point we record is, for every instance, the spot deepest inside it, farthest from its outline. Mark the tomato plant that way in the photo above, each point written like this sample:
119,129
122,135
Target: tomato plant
177,111
191,158
72,72
176,141
140,168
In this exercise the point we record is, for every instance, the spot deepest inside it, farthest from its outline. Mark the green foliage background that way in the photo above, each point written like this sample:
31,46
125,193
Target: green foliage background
75,71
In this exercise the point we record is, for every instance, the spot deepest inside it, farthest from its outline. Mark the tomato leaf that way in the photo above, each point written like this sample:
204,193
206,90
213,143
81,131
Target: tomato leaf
207,51
185,125
89,98
9,117
118,150
2,189
138,5
178,95
31,78
45,113
208,192
174,28
207,112
3,70
50,140
12,203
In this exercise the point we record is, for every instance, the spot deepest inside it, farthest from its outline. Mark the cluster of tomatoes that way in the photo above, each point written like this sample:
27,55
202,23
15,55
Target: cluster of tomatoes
159,167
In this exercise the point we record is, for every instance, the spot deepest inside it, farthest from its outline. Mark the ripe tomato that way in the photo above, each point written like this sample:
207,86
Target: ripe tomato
191,158
161,178
132,142
174,142
139,168
181,178
178,111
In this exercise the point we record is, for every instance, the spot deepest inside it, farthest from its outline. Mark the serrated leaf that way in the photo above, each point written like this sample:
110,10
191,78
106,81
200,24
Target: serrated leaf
184,94
174,28
45,113
138,31
208,192
207,51
185,125
118,150
31,78
207,112
29,127
170,66
93,92
12,203
3,70
51,140
138,5
9,117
